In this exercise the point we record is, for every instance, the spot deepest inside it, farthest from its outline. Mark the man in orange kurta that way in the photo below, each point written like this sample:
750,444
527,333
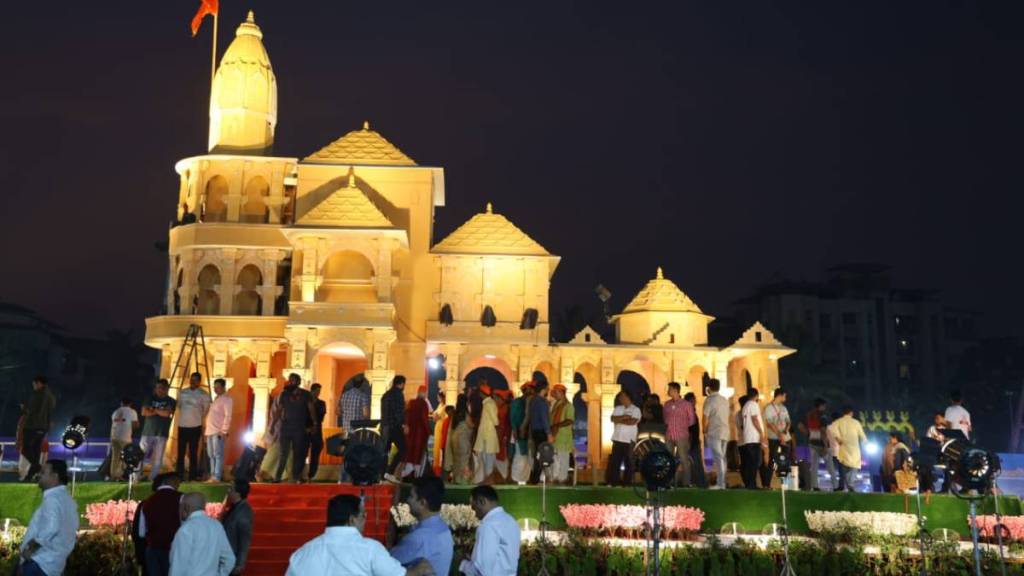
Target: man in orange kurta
417,419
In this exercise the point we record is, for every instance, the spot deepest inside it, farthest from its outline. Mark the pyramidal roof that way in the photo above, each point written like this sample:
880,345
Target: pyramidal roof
361,147
489,233
347,207
661,295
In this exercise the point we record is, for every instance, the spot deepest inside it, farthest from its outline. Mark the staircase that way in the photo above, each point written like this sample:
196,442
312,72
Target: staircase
289,515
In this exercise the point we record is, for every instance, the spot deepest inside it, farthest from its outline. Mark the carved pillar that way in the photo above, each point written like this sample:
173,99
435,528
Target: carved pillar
233,199
453,382
261,388
310,278
378,374
567,369
384,279
601,409
227,286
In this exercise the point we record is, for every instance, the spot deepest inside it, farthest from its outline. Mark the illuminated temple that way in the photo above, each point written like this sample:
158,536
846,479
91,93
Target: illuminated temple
328,266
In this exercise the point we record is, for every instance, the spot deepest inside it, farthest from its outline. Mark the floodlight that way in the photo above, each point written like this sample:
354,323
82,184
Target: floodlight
656,463
74,434
132,456
972,467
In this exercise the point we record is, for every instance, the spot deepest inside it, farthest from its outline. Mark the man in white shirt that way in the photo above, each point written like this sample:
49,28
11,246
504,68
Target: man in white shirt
496,551
753,441
123,422
193,404
777,428
218,424
625,416
850,435
51,533
957,416
200,547
342,551
716,430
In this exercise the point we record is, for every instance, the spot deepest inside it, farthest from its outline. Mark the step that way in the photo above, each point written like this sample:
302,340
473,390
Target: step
266,567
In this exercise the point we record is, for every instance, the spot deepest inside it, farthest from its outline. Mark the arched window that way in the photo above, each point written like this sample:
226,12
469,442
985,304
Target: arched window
247,301
348,277
255,209
208,299
214,208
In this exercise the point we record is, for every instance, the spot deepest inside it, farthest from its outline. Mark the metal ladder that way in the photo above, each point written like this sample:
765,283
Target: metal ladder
193,351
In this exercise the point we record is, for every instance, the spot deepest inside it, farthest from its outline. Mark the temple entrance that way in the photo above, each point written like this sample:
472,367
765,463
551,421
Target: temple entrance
337,365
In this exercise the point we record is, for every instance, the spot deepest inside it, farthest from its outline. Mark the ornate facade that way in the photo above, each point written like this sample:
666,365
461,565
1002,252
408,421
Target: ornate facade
326,266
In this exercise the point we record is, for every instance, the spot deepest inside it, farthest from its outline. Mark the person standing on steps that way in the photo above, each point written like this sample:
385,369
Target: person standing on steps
193,404
392,422
716,431
237,519
316,434
296,412
679,416
625,417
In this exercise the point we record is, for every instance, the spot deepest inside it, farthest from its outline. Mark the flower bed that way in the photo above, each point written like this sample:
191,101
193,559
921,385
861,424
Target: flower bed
113,513
458,517
614,519
871,523
1015,525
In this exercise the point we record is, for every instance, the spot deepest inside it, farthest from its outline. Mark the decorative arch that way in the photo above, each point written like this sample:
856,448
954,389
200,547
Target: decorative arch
208,296
635,385
214,207
495,363
248,301
588,377
495,379
254,197
334,366
697,379
546,368
657,378
348,277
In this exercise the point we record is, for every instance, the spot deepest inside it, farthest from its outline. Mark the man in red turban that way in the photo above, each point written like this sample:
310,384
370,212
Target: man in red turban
417,421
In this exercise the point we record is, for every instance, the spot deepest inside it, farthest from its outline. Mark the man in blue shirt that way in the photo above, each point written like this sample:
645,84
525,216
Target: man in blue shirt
539,414
430,539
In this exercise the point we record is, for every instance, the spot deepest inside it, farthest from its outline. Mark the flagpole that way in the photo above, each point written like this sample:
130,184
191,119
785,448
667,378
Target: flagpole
213,57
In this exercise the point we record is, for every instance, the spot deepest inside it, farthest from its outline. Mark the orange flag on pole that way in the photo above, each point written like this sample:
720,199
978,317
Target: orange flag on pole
205,7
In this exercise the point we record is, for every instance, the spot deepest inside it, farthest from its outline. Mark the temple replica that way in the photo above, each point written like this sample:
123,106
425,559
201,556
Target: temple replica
327,266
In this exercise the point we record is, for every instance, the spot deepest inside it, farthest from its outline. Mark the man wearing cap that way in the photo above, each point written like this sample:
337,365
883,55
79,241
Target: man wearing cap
562,417
417,422
486,446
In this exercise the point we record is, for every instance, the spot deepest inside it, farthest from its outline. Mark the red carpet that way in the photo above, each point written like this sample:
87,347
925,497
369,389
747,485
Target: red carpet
289,515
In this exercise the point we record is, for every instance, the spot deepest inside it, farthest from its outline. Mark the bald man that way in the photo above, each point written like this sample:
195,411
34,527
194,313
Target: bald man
200,547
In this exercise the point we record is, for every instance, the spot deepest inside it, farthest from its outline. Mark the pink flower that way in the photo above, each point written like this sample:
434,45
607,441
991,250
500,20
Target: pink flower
614,516
111,513
986,526
213,509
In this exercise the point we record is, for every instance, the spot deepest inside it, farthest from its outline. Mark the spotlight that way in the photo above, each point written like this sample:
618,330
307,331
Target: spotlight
74,434
248,437
782,463
546,454
657,465
972,467
364,464
433,362
132,456
871,448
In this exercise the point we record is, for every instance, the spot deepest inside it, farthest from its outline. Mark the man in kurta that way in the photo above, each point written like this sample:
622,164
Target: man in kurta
520,445
562,417
504,458
417,421
486,446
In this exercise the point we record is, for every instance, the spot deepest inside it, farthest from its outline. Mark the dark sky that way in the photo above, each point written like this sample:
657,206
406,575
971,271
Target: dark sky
730,142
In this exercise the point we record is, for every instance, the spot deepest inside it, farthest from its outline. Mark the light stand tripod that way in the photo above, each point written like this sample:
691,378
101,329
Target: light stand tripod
545,464
126,568
654,548
999,527
787,567
74,471
922,534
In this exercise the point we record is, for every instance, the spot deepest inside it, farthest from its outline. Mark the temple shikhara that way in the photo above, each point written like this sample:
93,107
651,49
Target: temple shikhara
327,266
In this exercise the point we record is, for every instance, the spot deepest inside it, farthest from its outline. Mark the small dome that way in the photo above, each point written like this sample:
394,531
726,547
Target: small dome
661,295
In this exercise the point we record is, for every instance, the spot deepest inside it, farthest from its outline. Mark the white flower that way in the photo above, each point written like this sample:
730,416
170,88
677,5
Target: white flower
876,523
456,516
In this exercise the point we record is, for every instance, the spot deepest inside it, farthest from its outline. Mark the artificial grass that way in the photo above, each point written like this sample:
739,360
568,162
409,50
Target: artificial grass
751,508
18,500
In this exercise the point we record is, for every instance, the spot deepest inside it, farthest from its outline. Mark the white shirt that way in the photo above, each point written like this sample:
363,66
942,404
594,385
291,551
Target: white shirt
192,407
342,551
218,419
496,552
716,416
121,423
54,526
934,434
959,419
751,410
625,432
778,415
201,548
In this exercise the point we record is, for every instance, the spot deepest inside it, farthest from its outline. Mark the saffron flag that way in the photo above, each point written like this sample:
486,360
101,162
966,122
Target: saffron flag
205,7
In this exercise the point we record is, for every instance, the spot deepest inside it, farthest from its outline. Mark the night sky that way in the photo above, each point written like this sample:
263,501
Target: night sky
730,142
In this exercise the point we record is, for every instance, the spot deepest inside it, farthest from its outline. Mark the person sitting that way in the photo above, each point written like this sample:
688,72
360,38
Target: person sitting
51,533
496,551
430,539
894,456
200,546
342,550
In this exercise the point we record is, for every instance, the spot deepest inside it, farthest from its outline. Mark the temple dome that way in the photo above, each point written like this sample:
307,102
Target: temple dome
362,147
492,234
661,295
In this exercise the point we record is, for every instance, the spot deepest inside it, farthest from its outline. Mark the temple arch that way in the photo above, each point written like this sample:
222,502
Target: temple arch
214,207
254,207
247,300
208,297
348,277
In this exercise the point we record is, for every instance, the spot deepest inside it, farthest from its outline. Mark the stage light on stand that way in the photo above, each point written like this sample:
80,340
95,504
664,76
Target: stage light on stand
248,437
656,464
433,362
73,439
871,448
132,456
973,471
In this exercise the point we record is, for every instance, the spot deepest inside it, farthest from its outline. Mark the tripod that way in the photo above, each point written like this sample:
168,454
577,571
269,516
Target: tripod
922,534
126,568
545,466
654,549
787,567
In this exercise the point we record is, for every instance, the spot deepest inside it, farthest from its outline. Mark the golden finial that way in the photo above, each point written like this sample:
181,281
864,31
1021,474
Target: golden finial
351,177
661,276
366,124
490,209
250,18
